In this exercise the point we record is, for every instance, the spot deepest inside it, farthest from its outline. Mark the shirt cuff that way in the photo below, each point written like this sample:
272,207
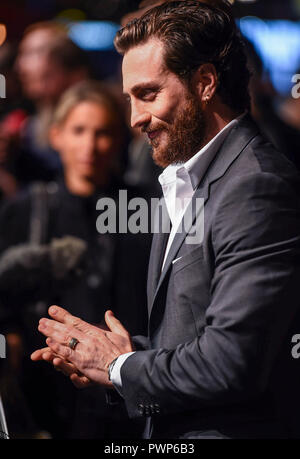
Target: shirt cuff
115,376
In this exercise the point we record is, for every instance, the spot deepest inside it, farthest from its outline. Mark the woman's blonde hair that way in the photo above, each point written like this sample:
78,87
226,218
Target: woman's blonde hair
88,91
93,91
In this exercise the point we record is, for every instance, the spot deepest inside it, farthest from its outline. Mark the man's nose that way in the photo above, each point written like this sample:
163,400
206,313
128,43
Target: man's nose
139,116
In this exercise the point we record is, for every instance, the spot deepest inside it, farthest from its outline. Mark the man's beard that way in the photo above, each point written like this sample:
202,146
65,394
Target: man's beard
185,135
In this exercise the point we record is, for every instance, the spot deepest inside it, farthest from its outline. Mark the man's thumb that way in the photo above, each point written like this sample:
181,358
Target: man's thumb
114,324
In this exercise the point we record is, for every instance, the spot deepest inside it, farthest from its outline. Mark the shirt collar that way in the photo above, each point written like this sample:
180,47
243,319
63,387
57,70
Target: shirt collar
195,167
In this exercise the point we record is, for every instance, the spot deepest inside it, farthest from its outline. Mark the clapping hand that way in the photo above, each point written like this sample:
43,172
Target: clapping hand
80,350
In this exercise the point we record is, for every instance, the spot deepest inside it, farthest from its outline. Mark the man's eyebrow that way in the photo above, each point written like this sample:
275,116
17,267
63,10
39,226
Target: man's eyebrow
138,87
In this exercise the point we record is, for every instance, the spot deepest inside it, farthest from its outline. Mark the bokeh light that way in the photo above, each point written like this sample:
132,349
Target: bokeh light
3,33
72,14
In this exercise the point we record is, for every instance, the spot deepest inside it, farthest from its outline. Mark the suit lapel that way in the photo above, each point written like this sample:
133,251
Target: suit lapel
158,248
232,147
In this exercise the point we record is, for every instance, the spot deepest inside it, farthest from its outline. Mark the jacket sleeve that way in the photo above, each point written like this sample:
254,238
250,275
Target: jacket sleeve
254,297
141,343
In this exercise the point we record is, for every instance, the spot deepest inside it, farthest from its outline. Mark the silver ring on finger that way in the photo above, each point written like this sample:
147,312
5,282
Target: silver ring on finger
73,343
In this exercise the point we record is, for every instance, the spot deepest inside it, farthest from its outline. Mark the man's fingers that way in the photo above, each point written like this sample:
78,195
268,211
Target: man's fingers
46,353
59,332
80,381
38,354
64,317
115,325
61,351
66,368
48,356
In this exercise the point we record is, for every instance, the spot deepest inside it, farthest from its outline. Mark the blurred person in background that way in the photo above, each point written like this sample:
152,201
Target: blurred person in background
13,112
52,252
288,112
13,95
48,63
278,119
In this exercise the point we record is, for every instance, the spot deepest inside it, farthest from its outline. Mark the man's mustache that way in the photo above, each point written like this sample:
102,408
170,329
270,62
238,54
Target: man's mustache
149,129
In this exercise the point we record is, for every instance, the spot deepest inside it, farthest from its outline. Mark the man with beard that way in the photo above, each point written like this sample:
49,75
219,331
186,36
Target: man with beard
219,307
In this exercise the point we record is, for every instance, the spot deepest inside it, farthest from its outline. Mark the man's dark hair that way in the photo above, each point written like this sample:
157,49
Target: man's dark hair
194,33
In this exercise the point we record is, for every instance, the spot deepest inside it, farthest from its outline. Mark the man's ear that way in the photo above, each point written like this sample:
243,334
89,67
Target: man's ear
205,81
55,137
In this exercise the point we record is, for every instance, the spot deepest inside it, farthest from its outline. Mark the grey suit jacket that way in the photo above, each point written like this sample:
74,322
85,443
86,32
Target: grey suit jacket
220,314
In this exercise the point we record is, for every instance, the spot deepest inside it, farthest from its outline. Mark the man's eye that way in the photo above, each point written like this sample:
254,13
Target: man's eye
148,95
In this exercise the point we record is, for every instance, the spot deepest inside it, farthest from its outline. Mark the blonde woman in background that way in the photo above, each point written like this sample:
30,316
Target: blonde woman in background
99,271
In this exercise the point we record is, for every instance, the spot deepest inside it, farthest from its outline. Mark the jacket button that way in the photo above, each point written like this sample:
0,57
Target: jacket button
157,408
141,408
147,410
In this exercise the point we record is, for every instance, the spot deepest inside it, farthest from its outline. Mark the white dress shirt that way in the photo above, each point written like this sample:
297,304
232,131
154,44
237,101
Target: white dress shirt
179,182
